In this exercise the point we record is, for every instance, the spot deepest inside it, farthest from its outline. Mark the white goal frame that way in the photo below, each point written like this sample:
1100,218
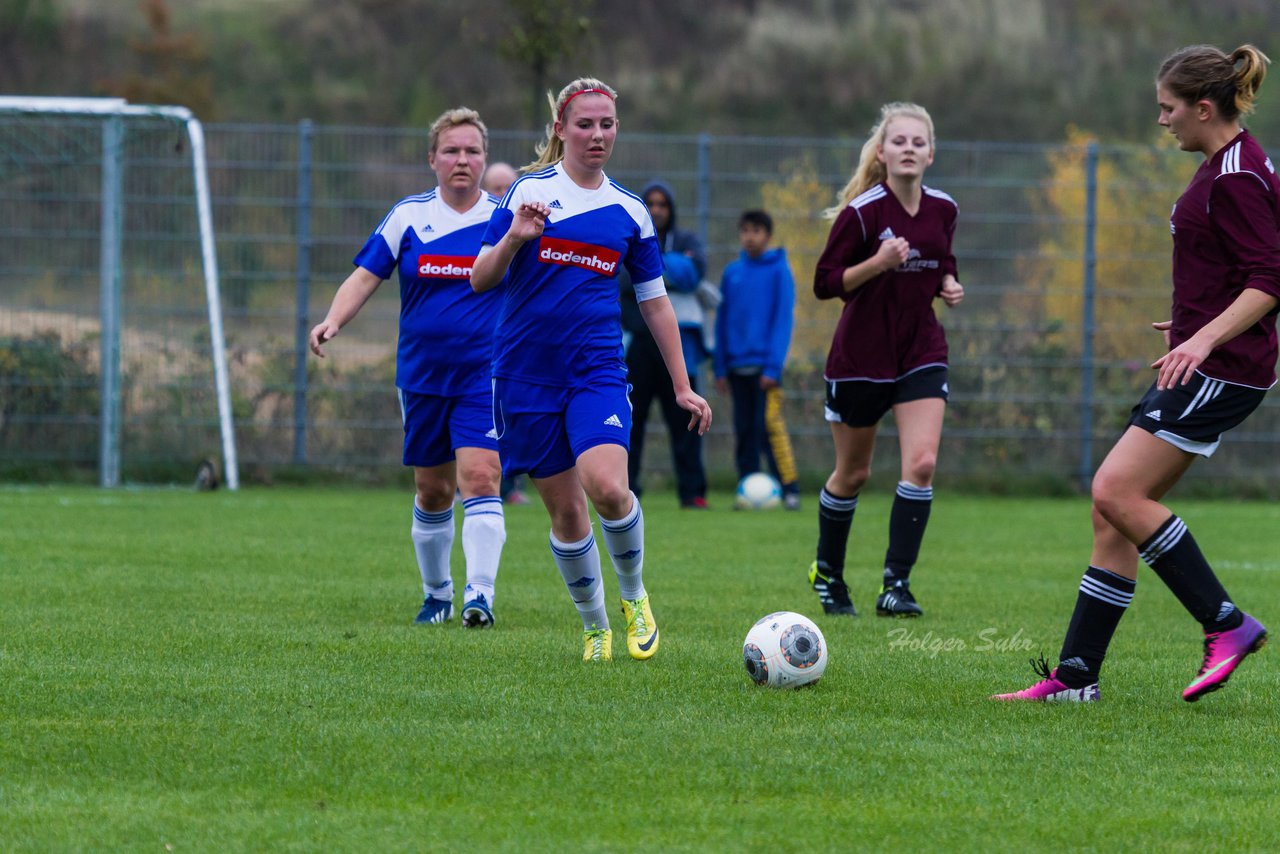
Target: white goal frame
113,111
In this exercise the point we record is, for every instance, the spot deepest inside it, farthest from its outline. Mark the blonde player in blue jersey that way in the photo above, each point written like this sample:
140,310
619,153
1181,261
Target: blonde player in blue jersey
442,364
560,383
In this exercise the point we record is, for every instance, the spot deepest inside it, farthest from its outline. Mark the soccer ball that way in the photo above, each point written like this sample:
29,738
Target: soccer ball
758,491
785,650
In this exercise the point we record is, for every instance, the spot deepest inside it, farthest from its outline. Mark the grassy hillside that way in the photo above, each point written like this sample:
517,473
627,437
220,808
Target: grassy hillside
989,69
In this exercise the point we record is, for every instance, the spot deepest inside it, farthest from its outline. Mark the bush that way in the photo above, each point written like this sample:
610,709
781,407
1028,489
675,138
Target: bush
49,399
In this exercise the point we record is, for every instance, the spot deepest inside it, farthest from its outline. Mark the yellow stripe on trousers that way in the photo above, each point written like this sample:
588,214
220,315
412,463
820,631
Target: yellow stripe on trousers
779,439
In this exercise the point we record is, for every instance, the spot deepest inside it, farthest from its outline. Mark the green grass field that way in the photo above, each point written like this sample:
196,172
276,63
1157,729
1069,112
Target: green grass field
200,672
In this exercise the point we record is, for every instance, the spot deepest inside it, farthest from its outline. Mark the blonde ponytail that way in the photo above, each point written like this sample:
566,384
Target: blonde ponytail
1249,77
870,170
1202,72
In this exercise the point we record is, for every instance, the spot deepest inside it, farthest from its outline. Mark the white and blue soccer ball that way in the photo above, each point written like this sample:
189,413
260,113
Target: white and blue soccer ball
785,650
758,491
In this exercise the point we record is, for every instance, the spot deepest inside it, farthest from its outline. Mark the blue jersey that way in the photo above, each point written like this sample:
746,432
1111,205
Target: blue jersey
560,322
446,329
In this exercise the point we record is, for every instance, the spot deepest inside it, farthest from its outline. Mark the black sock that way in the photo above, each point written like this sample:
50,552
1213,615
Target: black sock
1100,604
835,517
1174,556
907,521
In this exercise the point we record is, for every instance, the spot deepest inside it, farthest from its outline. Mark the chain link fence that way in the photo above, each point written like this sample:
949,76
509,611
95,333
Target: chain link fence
52,179
1063,250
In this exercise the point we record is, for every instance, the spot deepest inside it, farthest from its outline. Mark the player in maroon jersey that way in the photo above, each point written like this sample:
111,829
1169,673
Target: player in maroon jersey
888,257
1220,363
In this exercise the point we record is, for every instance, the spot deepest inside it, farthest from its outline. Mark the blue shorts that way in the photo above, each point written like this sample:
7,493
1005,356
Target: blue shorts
542,430
435,426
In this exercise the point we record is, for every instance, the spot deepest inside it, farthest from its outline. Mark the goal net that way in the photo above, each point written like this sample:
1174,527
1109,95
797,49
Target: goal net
112,353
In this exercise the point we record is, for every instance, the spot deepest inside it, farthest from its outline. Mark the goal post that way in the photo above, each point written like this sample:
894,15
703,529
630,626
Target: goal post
113,114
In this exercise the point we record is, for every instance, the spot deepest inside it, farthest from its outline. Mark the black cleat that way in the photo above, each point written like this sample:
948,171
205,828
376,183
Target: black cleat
833,593
896,601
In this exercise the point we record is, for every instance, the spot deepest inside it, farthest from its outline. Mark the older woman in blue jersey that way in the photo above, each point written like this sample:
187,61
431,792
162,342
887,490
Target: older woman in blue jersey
442,363
560,382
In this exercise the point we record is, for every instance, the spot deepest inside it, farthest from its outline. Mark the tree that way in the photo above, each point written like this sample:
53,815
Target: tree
174,66
795,202
543,31
1135,188
28,29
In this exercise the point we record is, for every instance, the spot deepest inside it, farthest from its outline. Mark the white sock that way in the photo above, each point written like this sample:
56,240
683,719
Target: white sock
432,535
484,531
624,539
579,565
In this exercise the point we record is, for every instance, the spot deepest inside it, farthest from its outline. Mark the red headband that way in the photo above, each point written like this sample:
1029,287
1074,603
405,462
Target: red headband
565,105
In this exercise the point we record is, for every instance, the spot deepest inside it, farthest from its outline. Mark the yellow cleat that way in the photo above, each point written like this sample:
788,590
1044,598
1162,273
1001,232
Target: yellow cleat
642,631
597,644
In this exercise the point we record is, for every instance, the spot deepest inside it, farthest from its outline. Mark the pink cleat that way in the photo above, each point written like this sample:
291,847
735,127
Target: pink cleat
1050,690
1223,652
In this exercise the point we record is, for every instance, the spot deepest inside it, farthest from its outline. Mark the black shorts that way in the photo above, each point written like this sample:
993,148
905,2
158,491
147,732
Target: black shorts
1194,416
862,403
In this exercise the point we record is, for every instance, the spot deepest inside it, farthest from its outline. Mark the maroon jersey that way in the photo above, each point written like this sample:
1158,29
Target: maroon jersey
888,328
1226,237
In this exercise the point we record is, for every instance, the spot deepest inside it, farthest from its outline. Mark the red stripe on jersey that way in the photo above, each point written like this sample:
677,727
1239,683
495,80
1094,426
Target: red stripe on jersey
571,253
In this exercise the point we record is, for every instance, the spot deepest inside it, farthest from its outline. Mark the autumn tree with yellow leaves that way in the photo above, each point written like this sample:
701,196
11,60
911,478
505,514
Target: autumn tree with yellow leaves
1136,188
795,202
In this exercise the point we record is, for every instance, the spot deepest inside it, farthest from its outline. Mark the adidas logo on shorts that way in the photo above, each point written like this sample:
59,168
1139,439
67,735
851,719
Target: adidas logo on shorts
1154,415
613,421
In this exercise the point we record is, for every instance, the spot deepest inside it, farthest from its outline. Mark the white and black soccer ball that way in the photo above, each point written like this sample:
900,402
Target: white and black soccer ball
759,491
785,650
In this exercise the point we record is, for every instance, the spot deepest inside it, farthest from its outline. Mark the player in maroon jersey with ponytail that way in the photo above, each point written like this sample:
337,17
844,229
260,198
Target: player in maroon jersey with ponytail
888,257
1221,361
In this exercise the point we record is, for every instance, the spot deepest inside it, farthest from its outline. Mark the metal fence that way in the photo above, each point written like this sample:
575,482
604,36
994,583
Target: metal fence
1063,250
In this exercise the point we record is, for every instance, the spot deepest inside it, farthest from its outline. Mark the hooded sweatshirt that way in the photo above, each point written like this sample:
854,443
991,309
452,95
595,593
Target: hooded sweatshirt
685,264
753,322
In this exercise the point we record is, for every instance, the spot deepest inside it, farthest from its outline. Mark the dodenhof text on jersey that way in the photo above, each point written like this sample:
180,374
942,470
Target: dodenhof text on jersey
445,266
571,253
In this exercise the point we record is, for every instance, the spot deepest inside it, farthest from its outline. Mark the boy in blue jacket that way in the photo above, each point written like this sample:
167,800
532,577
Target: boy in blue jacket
753,333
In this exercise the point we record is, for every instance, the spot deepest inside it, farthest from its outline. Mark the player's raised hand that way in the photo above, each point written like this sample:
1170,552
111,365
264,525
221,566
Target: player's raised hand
893,253
321,333
697,407
530,219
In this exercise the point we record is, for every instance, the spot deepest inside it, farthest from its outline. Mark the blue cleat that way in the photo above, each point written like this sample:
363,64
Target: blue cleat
477,614
434,611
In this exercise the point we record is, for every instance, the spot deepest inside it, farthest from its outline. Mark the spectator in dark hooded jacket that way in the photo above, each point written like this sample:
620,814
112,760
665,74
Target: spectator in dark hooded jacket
685,266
